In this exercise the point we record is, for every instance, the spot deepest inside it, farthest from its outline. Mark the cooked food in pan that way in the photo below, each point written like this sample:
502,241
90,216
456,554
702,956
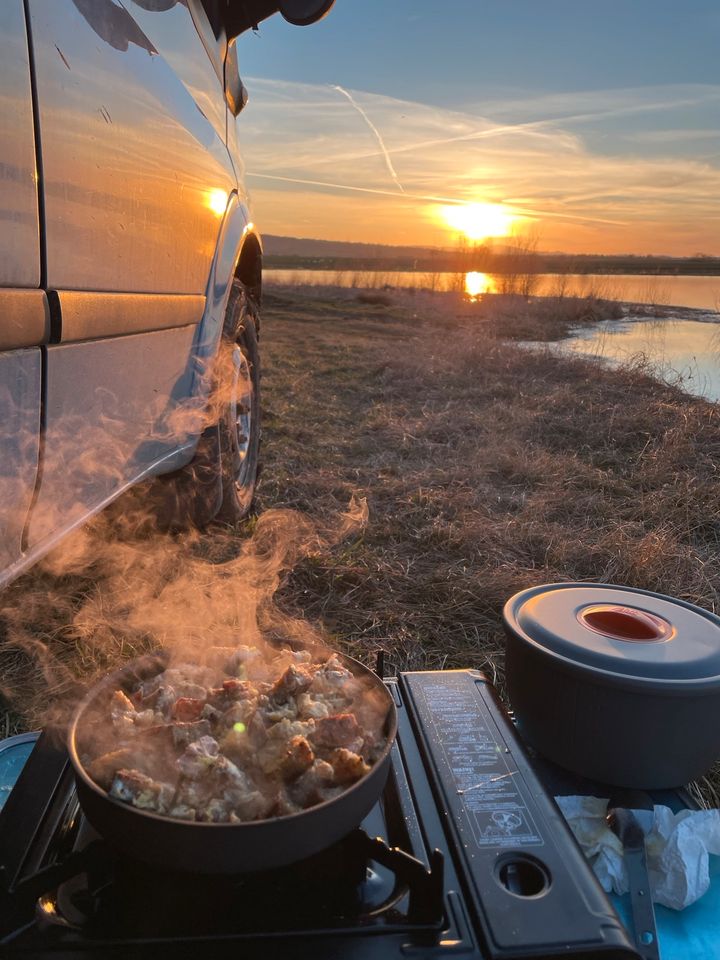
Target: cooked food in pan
253,734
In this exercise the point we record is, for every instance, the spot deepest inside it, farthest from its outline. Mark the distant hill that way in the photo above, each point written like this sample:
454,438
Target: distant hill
309,254
305,247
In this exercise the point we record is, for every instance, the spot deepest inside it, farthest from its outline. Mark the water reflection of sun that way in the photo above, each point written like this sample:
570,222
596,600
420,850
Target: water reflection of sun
476,284
478,221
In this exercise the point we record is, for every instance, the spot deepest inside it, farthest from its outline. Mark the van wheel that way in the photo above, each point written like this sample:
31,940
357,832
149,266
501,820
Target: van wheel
219,482
239,419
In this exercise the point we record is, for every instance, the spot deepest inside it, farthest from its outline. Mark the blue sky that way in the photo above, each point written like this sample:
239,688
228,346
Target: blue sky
620,100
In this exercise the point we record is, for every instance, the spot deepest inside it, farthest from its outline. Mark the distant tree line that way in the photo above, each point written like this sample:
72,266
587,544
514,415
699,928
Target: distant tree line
520,258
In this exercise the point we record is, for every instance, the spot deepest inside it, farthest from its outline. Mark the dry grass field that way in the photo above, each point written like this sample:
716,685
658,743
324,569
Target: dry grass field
486,468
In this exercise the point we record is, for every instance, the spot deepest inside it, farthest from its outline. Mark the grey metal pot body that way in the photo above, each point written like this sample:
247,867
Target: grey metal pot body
218,848
619,730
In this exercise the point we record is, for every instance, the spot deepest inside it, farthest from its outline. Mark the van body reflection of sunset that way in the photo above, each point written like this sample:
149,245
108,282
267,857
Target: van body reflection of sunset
476,284
478,221
217,201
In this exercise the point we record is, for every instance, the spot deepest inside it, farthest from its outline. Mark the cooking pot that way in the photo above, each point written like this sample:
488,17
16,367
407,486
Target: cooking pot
222,847
615,684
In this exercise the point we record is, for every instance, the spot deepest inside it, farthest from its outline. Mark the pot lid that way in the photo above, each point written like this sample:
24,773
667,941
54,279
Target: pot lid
631,633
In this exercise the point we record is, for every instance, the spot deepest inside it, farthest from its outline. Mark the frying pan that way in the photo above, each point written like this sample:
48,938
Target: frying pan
222,847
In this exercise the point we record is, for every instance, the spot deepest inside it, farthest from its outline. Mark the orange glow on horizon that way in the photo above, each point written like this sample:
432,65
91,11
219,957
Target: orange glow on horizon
478,221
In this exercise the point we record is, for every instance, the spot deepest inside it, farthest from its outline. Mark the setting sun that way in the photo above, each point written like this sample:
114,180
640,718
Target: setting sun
477,221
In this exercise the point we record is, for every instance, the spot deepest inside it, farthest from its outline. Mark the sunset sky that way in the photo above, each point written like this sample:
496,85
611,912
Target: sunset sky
594,126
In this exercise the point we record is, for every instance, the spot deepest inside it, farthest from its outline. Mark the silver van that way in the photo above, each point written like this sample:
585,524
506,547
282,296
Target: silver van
130,270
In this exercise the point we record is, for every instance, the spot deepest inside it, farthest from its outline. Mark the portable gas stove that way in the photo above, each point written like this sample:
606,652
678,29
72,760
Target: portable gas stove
464,855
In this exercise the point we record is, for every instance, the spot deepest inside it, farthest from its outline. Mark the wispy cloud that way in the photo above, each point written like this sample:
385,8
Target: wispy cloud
313,168
681,136
596,105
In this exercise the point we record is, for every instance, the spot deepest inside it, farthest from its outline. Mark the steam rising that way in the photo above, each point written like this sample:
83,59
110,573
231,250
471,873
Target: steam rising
112,592
119,586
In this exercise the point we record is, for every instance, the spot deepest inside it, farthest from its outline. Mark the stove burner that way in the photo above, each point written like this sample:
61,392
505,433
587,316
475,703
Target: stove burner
357,883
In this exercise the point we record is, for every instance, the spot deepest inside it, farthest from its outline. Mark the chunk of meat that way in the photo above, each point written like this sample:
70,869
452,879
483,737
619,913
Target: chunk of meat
161,699
182,811
332,674
239,712
250,805
229,775
194,793
145,718
121,705
298,758
295,680
124,726
315,785
140,790
348,766
285,805
286,729
273,712
215,810
187,709
231,691
271,755
301,656
185,733
103,769
308,707
199,758
342,730
211,714
238,689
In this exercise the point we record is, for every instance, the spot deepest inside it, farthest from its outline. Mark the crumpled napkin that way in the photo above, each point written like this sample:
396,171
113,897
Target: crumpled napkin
678,849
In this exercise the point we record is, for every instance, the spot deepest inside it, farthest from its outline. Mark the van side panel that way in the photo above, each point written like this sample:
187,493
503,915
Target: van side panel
105,394
20,381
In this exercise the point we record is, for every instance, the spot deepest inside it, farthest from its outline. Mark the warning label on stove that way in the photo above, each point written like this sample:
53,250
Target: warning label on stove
474,760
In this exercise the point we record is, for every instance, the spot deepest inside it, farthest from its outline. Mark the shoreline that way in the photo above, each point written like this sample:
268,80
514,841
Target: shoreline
632,310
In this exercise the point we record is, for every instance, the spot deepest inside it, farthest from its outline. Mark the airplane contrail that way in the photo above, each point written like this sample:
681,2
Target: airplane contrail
529,126
523,211
376,134
347,186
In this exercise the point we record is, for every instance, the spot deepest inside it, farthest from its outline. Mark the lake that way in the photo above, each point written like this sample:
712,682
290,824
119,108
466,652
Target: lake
701,293
685,352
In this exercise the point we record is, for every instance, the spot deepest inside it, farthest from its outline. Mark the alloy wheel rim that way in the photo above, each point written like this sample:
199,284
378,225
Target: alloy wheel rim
240,411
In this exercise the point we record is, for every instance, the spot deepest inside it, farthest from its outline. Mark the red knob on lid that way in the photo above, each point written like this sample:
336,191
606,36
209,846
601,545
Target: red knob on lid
625,623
